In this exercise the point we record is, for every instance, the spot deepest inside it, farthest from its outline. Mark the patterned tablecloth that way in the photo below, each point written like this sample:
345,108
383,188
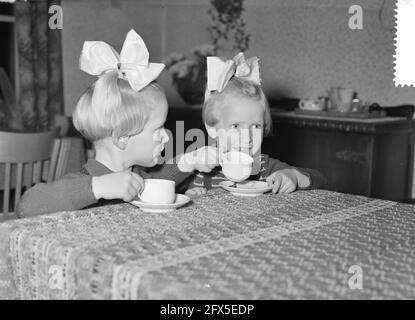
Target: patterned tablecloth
299,245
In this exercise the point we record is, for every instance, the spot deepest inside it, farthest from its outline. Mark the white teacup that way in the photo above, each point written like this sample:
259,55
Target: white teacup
236,166
309,104
158,191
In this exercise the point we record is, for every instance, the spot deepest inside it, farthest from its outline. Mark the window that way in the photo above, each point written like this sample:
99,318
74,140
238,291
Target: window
8,52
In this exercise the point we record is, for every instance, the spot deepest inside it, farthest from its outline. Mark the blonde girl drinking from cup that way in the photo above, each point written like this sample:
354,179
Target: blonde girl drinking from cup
236,114
122,113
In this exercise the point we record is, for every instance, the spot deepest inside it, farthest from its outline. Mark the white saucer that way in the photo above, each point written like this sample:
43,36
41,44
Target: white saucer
181,200
246,189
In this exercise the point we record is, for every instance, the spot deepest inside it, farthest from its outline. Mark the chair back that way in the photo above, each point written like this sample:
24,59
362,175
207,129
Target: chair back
25,159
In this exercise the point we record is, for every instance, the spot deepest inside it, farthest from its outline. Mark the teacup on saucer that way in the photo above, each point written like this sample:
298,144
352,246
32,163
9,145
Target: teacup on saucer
236,166
180,201
158,191
309,104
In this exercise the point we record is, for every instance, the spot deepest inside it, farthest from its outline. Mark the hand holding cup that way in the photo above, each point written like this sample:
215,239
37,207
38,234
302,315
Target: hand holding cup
203,159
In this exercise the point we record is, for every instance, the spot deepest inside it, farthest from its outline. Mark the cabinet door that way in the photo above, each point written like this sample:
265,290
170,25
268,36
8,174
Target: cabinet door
393,166
344,158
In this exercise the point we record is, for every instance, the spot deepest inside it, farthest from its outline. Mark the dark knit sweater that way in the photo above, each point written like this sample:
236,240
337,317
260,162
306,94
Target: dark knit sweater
74,190
266,166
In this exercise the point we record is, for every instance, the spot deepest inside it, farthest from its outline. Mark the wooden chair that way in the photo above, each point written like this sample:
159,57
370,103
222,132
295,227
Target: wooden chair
24,157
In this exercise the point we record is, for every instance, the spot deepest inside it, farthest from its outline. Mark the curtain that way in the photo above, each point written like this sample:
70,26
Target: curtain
40,65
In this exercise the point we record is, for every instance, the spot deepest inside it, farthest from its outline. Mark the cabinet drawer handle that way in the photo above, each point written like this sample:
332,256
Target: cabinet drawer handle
351,156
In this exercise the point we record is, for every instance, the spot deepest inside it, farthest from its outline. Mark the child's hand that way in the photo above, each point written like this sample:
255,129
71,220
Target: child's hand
197,191
203,159
123,185
287,180
283,181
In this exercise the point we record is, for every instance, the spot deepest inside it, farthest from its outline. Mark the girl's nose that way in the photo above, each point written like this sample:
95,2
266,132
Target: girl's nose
245,136
251,135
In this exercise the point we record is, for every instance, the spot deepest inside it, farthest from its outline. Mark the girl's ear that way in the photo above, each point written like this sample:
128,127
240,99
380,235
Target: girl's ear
120,142
211,131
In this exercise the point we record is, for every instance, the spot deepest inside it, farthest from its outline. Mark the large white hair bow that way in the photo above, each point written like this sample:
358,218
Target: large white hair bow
220,71
98,57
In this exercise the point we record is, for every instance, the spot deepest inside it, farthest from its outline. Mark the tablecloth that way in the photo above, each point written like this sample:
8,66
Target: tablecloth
303,245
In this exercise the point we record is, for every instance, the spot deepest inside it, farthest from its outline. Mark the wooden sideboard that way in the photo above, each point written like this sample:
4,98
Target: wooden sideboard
372,157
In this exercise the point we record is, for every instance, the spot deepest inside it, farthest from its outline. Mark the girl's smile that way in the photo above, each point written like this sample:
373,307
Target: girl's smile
241,125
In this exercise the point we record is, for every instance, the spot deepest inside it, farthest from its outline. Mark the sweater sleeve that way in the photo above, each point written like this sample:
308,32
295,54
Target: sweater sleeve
271,165
169,171
72,192
317,179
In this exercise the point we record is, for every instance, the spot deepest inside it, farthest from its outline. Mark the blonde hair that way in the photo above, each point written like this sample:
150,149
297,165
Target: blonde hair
236,87
111,108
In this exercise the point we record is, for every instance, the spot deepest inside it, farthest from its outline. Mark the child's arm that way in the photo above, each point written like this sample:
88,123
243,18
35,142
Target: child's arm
287,178
203,159
76,191
72,192
169,171
317,179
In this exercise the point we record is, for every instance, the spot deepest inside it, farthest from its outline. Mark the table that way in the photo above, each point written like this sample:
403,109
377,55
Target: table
371,157
296,246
